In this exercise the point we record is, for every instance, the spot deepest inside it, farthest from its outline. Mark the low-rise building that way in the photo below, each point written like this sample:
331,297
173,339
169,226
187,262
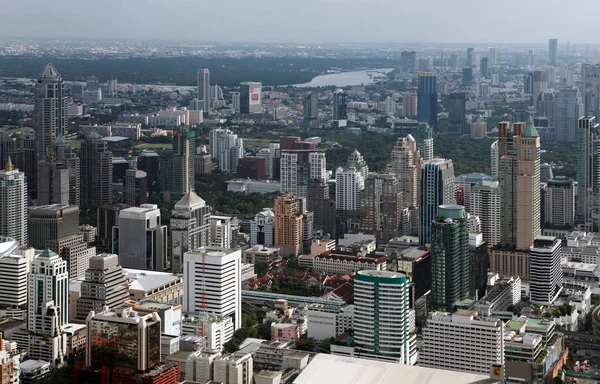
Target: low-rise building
328,320
501,295
343,262
154,285
259,253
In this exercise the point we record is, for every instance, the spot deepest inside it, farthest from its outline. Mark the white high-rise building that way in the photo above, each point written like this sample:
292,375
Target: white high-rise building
569,108
545,281
560,203
235,102
227,148
494,158
298,167
484,202
493,56
262,231
381,298
190,228
203,83
48,280
349,184
14,269
406,165
213,283
13,204
357,161
462,341
220,231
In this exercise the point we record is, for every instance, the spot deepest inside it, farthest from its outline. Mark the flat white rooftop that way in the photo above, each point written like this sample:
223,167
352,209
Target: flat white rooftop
326,369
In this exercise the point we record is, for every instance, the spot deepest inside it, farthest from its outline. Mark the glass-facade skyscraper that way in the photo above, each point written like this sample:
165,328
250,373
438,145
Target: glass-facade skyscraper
427,98
437,188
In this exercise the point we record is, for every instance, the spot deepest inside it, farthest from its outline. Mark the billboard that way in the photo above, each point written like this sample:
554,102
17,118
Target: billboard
255,96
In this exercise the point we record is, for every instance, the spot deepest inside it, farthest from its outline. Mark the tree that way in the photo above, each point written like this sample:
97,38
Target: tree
261,268
308,344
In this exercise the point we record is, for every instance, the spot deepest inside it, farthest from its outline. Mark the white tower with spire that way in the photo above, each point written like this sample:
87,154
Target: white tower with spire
50,110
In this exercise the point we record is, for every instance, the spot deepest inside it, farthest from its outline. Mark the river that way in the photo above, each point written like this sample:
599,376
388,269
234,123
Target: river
344,79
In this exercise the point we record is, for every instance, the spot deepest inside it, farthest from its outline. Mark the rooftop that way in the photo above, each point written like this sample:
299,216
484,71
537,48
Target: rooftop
144,280
325,369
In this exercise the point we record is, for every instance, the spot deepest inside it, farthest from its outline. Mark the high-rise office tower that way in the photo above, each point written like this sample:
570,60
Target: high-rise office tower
484,67
450,266
340,108
235,102
190,228
477,342
546,274
539,85
469,60
227,147
560,203
467,76
104,286
484,203
427,99
203,84
107,217
569,108
382,317
15,262
298,166
136,187
288,225
140,240
553,51
519,152
349,184
262,228
51,222
456,105
520,208
590,88
424,138
454,61
311,109
214,284
588,166
96,172
406,165
13,204
50,110
53,182
381,206
408,61
356,160
48,280
409,105
75,252
494,164
178,169
322,207
21,148
437,188
493,56
63,153
250,98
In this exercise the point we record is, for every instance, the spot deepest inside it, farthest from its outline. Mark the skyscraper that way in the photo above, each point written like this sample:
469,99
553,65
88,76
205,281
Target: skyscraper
311,109
190,228
178,171
553,51
590,88
135,190
427,98
53,182
406,165
13,204
349,184
560,203
298,167
382,317
408,61
214,276
227,147
104,286
546,274
65,155
409,105
381,207
424,139
250,98
437,188
467,76
51,222
456,107
340,111
50,110
494,165
203,84
484,203
493,56
483,67
470,62
140,240
450,266
288,225
96,172
569,108
519,151
588,166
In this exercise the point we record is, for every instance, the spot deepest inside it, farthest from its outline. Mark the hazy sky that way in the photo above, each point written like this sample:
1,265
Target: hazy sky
445,21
